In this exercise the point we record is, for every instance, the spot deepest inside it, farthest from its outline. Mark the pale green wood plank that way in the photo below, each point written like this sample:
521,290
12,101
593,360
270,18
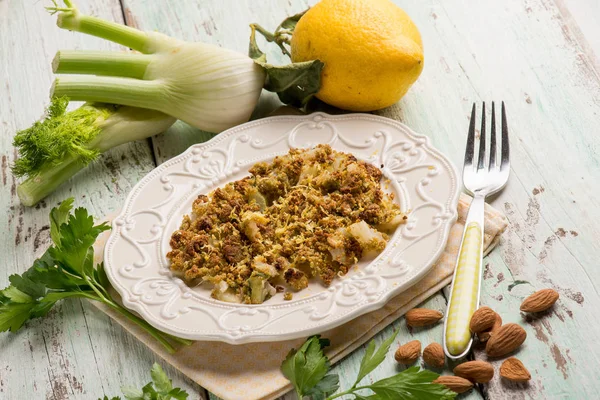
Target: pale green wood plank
76,352
516,52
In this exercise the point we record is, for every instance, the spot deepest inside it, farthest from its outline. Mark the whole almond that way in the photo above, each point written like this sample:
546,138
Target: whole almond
482,320
433,355
422,317
513,369
540,301
476,371
454,383
505,340
485,335
497,323
408,353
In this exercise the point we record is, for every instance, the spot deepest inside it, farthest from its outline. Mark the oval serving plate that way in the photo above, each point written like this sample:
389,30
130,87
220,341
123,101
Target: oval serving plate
423,180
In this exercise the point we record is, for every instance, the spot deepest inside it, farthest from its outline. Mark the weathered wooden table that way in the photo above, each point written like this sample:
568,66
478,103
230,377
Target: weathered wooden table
536,55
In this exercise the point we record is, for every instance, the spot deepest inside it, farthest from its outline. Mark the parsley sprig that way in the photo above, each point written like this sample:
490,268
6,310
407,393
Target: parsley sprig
161,388
66,270
308,370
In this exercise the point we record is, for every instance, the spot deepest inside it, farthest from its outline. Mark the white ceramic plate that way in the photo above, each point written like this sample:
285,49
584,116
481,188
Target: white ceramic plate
424,181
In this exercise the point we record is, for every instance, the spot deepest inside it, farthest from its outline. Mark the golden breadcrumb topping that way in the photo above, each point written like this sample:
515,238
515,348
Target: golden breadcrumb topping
311,213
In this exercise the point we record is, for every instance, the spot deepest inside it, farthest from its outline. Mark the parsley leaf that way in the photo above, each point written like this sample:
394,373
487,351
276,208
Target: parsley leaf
178,394
100,275
67,270
76,239
328,385
15,295
160,379
14,315
160,388
307,366
149,392
132,393
373,358
59,216
40,309
361,397
46,272
411,384
24,284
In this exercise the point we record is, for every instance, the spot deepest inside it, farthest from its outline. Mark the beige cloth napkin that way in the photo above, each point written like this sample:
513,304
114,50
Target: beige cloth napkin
251,371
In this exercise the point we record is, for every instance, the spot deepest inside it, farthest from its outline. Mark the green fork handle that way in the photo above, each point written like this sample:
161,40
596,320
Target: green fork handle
466,284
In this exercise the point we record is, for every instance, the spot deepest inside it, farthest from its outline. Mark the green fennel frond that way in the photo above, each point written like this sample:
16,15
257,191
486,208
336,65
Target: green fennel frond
47,143
56,9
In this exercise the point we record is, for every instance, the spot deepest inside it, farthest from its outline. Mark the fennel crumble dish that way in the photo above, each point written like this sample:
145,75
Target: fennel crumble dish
310,213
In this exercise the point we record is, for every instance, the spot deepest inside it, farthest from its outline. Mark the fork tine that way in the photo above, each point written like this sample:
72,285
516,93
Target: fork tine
481,158
505,147
470,149
493,140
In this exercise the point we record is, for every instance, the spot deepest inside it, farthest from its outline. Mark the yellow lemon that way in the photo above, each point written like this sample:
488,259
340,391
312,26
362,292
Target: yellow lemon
372,51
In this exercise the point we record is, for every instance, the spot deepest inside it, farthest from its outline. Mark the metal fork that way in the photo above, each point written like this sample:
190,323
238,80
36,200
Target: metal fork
480,180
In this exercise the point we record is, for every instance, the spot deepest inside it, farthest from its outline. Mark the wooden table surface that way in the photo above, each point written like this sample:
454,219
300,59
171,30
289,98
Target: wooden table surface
536,55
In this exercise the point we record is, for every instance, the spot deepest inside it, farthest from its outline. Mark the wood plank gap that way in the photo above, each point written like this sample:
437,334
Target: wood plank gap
150,141
123,13
51,376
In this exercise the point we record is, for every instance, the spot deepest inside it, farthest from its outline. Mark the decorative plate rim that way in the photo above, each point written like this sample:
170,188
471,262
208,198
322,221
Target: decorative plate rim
247,337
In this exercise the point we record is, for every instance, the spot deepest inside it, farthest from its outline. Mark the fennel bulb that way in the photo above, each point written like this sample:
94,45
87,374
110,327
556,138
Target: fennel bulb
208,87
53,150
